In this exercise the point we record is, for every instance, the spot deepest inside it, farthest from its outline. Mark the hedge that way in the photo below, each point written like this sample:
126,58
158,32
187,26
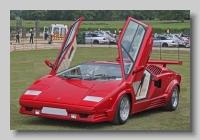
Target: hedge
155,30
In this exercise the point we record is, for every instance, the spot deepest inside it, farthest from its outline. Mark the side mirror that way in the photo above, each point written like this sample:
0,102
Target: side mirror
117,59
138,69
48,63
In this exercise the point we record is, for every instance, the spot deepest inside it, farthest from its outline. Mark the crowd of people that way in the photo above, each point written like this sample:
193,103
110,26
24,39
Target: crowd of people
18,32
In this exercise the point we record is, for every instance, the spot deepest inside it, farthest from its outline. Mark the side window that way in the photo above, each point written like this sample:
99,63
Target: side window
87,35
163,38
63,31
156,38
94,35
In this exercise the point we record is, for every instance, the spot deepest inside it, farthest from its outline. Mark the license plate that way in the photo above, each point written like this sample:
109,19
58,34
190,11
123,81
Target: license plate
54,111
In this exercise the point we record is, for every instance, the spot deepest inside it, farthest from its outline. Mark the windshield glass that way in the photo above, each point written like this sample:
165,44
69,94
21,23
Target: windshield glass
56,30
93,71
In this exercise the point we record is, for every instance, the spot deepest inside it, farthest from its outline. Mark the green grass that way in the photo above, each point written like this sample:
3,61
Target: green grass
107,24
27,66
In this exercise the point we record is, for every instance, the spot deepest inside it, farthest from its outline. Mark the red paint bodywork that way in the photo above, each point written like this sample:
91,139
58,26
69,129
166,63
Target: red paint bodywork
69,94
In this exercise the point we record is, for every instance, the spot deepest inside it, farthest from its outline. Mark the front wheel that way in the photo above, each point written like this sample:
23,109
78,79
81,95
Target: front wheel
174,99
122,111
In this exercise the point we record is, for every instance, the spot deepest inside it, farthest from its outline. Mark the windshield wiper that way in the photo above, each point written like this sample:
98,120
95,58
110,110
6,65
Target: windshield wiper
73,76
102,76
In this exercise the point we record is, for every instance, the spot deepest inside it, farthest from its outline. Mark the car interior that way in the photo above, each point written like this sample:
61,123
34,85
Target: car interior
141,87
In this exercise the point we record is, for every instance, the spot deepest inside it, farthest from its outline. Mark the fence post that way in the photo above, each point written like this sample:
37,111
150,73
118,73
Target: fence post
160,50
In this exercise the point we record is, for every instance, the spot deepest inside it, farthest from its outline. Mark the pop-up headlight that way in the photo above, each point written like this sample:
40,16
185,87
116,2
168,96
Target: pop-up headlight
32,92
93,98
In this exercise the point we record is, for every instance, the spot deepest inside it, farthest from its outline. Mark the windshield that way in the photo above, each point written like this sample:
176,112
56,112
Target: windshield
56,30
93,71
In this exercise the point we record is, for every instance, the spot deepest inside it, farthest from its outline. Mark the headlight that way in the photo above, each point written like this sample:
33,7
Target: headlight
93,98
32,92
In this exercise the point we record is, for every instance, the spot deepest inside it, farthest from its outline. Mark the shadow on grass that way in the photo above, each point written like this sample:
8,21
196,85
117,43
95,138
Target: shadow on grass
75,125
146,113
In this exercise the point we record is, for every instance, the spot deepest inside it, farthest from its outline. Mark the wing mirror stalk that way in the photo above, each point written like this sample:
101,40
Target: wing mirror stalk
48,63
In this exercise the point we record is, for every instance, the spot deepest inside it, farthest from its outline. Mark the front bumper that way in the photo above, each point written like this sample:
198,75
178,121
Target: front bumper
74,112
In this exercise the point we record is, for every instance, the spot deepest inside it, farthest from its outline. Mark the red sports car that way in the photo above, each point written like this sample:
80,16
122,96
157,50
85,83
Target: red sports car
99,91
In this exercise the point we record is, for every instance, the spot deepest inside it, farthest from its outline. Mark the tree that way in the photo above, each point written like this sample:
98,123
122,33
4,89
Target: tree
12,16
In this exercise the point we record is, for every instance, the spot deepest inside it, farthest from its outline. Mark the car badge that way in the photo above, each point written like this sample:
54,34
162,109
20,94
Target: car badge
58,98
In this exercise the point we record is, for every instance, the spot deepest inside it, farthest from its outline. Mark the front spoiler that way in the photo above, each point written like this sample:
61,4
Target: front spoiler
84,114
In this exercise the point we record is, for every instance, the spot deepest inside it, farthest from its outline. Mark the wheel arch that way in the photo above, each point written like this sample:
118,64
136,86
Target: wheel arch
165,43
170,87
95,40
131,97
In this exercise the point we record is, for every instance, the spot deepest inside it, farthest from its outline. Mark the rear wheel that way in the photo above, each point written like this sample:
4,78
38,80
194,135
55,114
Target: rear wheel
122,111
174,99
164,45
95,42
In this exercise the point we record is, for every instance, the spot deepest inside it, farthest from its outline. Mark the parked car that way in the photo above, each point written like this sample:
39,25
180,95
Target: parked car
164,41
186,41
111,34
98,91
111,39
177,39
96,38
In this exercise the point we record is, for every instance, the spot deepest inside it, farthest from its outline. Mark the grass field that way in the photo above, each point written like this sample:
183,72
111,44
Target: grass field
107,24
27,66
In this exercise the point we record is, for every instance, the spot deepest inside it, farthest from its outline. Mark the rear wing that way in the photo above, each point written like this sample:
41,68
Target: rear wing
164,62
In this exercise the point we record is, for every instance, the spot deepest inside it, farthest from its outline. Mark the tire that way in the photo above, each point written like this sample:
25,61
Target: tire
174,99
122,111
164,45
95,42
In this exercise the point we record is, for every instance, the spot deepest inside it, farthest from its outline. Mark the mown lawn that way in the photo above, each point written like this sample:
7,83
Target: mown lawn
27,66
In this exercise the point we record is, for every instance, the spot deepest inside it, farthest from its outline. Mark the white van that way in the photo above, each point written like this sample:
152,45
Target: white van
56,32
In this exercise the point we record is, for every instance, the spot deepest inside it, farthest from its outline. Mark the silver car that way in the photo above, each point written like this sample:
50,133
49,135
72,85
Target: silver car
111,39
95,38
163,41
178,39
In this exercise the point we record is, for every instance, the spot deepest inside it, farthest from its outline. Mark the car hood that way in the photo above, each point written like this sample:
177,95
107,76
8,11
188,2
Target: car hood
58,90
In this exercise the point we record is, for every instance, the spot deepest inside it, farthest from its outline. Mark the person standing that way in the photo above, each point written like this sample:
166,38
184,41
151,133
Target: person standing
17,37
181,34
168,31
155,35
31,35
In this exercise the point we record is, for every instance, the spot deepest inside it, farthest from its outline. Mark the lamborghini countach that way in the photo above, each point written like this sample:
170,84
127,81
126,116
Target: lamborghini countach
98,91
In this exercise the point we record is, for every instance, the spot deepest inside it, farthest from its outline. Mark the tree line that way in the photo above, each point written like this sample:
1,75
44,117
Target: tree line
99,15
